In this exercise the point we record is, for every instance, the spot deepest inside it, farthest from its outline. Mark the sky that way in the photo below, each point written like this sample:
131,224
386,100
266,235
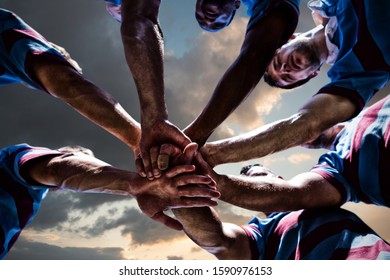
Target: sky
73,225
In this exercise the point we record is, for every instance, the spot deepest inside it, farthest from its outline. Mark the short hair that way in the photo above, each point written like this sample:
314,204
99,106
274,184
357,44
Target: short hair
215,30
76,149
246,168
273,83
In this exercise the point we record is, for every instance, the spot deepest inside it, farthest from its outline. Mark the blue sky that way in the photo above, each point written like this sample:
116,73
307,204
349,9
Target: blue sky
89,226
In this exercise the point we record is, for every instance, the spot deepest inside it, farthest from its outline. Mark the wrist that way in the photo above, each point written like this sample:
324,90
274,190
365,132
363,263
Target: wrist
210,153
196,134
150,119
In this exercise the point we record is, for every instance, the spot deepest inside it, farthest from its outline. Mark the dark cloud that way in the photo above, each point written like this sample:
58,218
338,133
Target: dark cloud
142,229
26,250
60,207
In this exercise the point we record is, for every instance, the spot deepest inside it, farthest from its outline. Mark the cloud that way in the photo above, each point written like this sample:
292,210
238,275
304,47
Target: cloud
27,250
299,158
62,207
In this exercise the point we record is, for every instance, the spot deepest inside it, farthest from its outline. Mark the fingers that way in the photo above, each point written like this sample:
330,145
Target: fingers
177,170
198,191
154,153
194,179
139,166
167,151
147,165
187,202
189,152
168,221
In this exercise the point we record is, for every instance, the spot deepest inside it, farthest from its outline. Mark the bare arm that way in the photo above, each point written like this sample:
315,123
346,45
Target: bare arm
89,100
271,194
87,174
305,126
203,226
244,74
144,47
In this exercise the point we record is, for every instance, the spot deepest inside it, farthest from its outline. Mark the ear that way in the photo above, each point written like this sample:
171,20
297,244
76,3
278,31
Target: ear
237,3
314,74
294,36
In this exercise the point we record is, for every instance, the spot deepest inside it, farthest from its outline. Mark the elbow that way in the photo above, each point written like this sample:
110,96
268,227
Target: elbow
138,27
313,124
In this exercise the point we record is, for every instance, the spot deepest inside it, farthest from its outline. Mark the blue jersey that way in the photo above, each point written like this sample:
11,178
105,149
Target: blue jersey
19,46
362,66
257,9
19,200
317,234
115,2
359,165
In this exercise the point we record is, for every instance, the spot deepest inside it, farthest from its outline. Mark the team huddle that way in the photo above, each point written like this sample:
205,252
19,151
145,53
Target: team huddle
175,168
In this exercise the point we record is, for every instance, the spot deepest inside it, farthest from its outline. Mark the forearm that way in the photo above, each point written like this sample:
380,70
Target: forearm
204,227
143,45
269,139
235,85
272,194
82,174
89,100
301,128
101,108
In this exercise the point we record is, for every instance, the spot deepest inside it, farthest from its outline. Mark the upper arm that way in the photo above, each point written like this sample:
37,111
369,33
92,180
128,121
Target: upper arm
36,171
316,191
323,111
239,247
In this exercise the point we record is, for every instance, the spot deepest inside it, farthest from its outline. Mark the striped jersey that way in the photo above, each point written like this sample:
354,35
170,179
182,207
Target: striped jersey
19,200
359,165
19,46
362,66
316,234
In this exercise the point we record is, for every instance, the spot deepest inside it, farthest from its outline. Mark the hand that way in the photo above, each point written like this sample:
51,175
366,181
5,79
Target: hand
152,138
175,188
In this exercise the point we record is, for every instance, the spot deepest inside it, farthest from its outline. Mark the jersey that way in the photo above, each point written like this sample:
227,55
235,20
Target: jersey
359,164
19,45
19,200
361,29
115,2
317,234
257,9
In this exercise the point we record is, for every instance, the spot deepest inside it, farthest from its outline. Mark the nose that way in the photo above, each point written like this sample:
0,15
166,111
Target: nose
210,14
284,68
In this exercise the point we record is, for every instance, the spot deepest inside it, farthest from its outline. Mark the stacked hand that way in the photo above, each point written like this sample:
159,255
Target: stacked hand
166,158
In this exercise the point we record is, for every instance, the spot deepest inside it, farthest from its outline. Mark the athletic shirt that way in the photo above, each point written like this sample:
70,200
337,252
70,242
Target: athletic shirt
19,200
362,66
257,9
115,2
317,234
19,44
359,166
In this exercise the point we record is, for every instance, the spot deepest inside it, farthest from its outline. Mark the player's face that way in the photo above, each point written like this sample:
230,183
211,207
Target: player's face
214,15
295,61
256,170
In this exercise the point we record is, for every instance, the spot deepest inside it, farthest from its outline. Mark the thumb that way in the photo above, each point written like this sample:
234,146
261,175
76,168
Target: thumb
189,152
168,221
